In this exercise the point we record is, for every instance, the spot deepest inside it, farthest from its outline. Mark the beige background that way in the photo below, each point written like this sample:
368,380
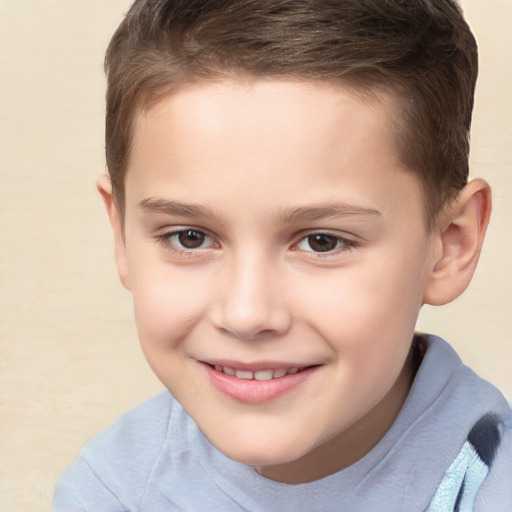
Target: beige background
69,358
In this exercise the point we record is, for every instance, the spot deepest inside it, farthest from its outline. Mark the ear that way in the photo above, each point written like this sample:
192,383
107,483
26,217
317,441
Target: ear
460,237
105,189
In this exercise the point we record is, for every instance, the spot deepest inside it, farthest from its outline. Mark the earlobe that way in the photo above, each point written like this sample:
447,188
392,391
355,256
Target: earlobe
460,237
105,189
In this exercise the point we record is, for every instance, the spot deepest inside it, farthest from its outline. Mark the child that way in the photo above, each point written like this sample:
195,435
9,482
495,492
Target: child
288,186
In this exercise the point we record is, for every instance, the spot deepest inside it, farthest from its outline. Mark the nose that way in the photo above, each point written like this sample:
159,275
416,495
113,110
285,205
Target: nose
250,303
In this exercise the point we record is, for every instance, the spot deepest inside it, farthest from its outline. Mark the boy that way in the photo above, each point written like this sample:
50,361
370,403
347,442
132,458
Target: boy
288,186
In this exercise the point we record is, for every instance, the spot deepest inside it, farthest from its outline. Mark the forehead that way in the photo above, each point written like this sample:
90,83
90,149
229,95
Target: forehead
251,103
302,137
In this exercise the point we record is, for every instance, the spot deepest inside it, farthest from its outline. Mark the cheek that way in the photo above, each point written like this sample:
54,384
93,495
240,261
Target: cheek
167,308
168,302
359,303
368,312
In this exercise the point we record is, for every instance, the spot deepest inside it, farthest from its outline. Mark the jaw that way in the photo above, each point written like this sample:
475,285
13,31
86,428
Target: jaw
350,445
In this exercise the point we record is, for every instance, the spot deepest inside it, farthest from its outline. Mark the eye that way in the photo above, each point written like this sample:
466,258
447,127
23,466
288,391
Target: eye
187,239
190,239
324,243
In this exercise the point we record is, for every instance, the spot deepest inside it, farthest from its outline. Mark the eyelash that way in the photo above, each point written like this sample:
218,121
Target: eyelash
347,244
166,240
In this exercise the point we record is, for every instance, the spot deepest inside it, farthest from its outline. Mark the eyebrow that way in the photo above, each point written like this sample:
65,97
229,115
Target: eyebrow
176,208
291,215
325,211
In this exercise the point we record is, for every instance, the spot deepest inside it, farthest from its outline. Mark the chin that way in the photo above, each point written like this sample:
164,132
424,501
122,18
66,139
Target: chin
259,460
262,453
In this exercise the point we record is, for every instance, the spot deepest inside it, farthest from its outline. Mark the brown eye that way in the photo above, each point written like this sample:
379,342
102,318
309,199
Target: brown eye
191,239
322,243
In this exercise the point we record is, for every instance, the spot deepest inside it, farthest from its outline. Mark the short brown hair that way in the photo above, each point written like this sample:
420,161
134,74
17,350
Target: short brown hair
421,50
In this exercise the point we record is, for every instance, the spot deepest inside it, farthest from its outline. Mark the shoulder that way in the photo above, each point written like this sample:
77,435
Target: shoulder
472,421
117,463
143,427
452,394
480,477
495,449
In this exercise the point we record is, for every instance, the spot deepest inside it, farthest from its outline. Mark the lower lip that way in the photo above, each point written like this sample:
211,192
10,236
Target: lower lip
256,391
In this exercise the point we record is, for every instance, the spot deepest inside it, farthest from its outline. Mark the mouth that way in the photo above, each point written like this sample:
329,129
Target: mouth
257,385
260,375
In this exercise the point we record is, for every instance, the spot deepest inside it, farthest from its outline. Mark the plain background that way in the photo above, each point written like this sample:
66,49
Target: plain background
69,358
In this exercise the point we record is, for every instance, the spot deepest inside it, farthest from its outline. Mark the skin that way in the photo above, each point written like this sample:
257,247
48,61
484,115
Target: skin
260,167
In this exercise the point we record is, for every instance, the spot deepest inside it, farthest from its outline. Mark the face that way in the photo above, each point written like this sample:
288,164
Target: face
276,251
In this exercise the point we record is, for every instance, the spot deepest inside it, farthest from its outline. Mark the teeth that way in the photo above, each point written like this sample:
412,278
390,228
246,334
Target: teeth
259,375
244,374
264,375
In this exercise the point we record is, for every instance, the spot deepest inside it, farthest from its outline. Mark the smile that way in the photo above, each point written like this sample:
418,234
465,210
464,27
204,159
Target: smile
257,375
256,386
